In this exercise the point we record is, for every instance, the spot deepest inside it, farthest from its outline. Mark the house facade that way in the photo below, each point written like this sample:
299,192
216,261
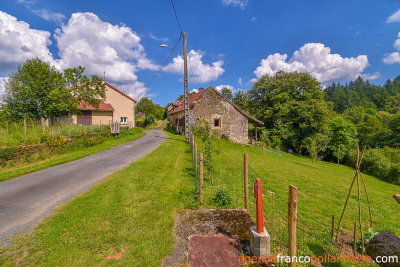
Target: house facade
224,116
114,107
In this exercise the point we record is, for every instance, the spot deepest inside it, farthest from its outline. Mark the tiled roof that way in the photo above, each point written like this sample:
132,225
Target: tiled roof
194,98
83,105
112,87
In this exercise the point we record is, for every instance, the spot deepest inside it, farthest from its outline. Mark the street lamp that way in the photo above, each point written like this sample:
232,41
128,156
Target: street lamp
186,94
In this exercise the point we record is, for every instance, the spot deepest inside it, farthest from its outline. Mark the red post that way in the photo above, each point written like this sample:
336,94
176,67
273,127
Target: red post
259,203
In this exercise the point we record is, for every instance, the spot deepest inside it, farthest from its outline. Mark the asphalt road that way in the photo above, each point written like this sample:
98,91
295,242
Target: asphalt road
26,200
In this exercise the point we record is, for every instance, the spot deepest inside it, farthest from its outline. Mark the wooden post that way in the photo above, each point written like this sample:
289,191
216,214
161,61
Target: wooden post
201,179
25,124
246,183
354,239
292,217
195,159
333,225
256,131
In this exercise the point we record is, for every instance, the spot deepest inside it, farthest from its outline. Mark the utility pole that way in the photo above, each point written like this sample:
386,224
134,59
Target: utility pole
186,88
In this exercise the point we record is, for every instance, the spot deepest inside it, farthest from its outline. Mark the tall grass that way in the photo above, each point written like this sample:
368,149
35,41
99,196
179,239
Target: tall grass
13,133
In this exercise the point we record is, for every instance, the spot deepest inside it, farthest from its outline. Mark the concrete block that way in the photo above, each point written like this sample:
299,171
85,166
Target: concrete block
260,244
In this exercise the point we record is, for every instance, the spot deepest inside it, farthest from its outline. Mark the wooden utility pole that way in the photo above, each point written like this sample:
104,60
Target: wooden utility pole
186,88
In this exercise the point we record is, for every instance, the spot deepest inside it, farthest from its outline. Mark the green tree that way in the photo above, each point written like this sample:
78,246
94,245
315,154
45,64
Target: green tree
147,106
292,104
342,135
227,93
40,91
315,144
241,100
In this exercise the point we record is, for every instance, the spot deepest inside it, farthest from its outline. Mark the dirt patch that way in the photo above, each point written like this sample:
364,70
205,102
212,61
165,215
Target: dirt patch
233,223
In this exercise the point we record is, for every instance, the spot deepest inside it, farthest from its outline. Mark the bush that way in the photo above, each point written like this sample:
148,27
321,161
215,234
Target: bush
222,198
382,163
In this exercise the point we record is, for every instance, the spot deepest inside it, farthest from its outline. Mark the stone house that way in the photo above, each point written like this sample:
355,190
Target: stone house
224,116
114,107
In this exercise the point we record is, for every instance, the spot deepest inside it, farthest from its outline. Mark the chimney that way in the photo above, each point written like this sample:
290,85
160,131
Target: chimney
201,88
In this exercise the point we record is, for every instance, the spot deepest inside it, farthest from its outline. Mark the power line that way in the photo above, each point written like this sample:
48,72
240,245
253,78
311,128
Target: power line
162,66
176,16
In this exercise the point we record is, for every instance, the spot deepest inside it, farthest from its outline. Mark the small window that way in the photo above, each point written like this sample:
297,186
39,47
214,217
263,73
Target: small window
124,120
217,122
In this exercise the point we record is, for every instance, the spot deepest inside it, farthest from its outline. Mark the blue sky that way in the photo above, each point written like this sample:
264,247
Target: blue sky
230,42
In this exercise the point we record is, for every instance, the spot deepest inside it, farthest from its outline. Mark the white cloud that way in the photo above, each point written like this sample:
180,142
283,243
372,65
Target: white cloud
18,42
394,57
241,3
317,60
194,91
394,18
2,88
102,47
391,58
159,39
48,15
253,19
373,76
202,73
222,86
240,82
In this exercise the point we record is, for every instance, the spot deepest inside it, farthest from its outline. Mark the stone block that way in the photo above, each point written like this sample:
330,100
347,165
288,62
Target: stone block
260,243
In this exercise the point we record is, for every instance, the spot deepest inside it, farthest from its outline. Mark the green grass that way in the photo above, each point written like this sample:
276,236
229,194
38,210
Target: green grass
66,155
132,209
323,189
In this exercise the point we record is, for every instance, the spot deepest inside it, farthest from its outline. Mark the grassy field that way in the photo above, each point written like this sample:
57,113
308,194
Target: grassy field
66,155
323,189
132,211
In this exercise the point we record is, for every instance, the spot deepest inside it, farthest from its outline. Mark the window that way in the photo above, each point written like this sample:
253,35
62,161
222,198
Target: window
124,120
217,122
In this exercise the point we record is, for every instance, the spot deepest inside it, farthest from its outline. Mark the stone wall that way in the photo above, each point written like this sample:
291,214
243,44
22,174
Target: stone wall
210,106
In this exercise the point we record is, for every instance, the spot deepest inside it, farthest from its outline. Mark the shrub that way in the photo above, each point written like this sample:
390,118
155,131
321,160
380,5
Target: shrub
222,198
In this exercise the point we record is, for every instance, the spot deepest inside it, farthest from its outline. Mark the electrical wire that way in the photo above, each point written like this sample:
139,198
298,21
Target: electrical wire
162,66
176,16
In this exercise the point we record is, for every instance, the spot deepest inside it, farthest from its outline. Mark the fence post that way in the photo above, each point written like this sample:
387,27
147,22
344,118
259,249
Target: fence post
333,225
195,159
246,183
354,239
201,179
25,124
292,223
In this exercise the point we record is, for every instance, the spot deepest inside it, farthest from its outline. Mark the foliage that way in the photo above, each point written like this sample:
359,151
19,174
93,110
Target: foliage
202,129
291,104
147,106
241,100
367,237
227,93
342,135
40,91
222,198
315,144
149,120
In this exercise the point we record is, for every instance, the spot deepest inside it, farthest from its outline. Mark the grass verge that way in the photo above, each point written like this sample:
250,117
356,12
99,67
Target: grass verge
67,155
132,210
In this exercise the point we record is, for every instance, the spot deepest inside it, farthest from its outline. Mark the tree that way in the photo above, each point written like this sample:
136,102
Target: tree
291,104
227,93
342,137
40,91
241,100
315,144
147,106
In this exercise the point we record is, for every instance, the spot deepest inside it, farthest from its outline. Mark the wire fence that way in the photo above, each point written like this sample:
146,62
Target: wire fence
225,181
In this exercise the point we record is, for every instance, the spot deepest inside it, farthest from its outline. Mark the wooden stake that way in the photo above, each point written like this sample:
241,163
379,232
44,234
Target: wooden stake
246,183
354,238
333,227
25,124
195,159
359,215
293,193
201,179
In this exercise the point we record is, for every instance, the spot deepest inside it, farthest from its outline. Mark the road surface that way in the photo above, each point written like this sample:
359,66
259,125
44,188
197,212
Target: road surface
26,200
